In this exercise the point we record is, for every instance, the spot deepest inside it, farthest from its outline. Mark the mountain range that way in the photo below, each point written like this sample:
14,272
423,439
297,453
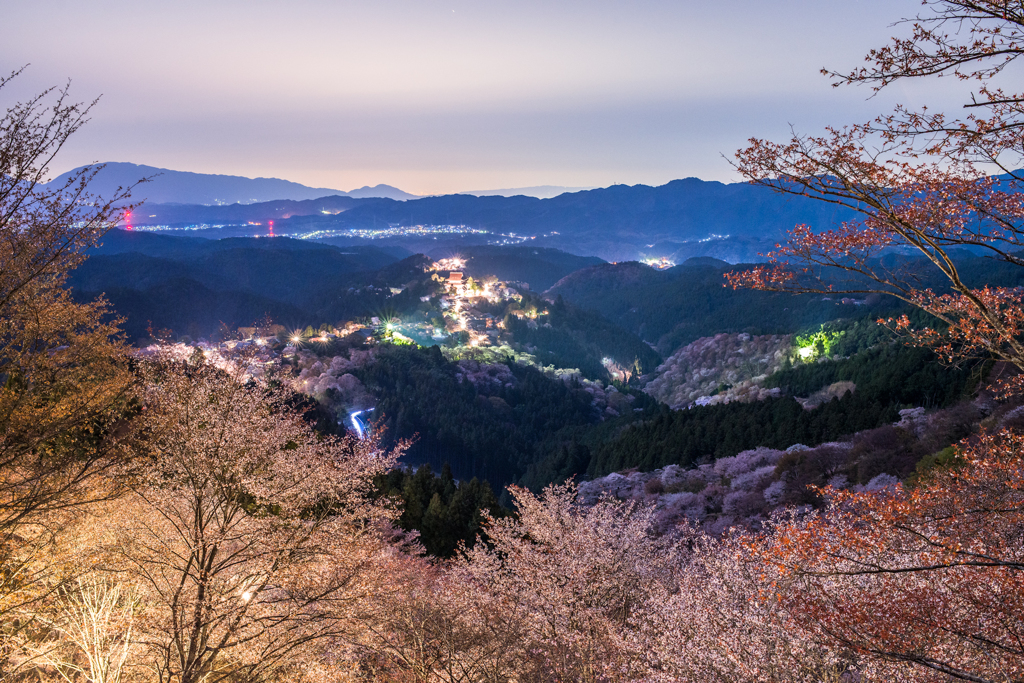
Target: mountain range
538,191
683,219
184,187
679,220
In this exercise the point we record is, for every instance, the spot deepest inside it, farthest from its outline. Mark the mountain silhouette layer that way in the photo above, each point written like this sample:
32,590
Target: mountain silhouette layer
183,187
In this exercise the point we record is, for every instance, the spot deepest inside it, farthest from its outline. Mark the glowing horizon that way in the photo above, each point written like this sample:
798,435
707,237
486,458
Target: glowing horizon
438,98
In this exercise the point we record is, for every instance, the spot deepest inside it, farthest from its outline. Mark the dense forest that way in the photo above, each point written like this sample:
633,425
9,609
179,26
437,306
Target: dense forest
490,431
448,514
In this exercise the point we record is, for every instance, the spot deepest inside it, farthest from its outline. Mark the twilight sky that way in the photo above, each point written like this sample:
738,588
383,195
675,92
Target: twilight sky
437,97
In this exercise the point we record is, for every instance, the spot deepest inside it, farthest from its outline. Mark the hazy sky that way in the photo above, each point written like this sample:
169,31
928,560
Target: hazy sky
436,96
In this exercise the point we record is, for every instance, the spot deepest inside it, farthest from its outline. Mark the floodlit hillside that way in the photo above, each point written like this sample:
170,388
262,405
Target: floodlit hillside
719,369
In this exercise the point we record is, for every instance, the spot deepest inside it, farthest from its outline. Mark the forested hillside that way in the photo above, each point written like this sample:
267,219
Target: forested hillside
446,513
674,307
536,266
485,420
570,337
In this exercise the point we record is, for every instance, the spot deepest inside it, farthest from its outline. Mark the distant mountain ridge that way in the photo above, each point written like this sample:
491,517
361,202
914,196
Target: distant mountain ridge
538,191
689,217
261,212
186,187
679,220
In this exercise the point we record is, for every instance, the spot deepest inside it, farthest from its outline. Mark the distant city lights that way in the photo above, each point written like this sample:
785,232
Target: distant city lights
393,231
389,232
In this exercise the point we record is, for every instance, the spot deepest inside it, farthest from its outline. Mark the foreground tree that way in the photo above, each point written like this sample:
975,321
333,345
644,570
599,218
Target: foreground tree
433,627
251,535
91,632
924,582
564,592
918,182
579,583
931,576
63,381
725,623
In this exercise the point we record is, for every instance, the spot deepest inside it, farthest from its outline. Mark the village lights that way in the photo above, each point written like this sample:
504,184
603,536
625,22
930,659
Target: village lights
662,263
453,263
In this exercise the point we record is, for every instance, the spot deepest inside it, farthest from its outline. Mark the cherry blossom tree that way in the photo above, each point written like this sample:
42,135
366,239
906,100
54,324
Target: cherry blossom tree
252,537
919,181
725,623
92,636
63,379
431,626
580,582
928,576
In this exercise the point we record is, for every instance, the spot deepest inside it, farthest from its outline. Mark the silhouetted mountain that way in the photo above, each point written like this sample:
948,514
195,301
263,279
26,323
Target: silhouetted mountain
170,246
676,306
184,187
732,222
380,190
292,275
679,220
186,283
539,191
260,213
182,247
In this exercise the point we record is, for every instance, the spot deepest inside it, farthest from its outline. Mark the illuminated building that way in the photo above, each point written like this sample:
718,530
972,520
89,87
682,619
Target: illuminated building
455,282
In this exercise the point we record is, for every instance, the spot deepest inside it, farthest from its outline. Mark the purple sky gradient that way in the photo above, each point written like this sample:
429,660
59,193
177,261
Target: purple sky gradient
439,97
